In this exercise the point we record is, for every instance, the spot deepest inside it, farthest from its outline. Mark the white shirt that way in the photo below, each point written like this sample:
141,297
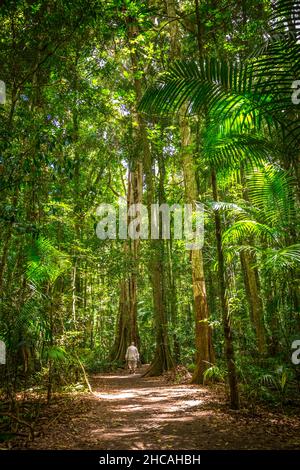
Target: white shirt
132,354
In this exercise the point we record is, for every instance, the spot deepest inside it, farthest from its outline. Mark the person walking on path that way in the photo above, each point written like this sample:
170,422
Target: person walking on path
132,357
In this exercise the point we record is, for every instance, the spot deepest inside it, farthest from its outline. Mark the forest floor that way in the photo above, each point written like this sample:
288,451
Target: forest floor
130,412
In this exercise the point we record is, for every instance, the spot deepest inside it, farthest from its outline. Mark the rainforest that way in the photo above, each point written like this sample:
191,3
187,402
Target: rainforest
149,214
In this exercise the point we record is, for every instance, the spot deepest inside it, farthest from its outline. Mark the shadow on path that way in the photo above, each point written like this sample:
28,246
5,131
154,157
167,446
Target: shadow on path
131,412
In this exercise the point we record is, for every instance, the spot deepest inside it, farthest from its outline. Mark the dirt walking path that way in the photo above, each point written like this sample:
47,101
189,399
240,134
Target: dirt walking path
130,412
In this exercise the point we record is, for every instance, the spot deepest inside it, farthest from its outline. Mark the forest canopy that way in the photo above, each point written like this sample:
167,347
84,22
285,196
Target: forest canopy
110,111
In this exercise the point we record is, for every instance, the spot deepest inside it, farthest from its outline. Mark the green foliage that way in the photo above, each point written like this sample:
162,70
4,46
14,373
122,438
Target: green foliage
255,93
55,353
70,135
285,259
268,381
248,228
270,192
215,374
46,263
95,362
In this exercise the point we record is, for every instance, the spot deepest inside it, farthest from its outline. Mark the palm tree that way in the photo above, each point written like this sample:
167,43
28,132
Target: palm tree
242,104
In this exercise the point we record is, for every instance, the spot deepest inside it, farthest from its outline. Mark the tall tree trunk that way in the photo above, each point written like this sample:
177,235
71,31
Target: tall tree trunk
173,303
251,280
127,328
204,349
252,287
162,359
123,331
74,269
229,347
5,253
76,278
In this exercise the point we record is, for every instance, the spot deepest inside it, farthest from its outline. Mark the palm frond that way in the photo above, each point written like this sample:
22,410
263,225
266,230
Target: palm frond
286,17
234,149
221,206
269,189
284,259
199,86
257,91
245,229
